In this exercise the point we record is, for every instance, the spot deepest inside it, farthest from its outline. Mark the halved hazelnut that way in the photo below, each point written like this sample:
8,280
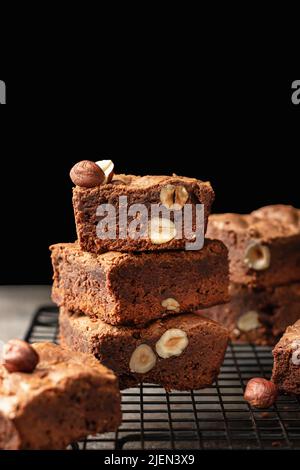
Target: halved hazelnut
257,256
173,197
171,304
236,333
142,359
161,230
249,321
107,167
181,196
172,343
295,344
296,357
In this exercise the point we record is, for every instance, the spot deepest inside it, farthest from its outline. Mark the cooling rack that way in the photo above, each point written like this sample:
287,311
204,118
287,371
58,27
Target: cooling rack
214,418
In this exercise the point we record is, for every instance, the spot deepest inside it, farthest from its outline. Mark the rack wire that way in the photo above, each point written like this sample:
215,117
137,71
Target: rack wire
214,418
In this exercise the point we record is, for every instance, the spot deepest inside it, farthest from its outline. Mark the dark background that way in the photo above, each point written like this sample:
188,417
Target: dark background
240,133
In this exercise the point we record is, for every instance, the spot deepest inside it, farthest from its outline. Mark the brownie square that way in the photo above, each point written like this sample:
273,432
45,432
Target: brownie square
181,352
135,288
286,370
258,316
264,246
146,190
67,397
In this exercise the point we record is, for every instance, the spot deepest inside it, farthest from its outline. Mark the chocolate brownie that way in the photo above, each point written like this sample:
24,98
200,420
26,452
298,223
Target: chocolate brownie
68,396
169,192
181,352
258,316
264,246
135,288
286,370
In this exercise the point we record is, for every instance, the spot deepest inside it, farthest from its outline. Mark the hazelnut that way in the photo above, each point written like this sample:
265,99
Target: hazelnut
87,174
142,359
295,344
257,256
260,393
19,356
172,343
236,333
161,230
296,357
171,304
249,321
173,197
107,167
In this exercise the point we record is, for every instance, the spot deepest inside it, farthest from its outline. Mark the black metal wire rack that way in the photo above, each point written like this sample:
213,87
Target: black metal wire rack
213,418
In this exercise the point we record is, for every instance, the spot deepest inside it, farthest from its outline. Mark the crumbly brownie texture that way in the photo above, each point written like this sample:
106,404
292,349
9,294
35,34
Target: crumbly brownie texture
135,288
264,246
201,345
144,190
258,316
286,370
68,396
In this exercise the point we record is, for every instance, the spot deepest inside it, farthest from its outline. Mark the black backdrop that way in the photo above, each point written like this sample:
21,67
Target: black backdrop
241,134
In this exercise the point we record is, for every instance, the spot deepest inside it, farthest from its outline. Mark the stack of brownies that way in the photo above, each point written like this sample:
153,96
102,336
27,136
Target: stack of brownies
264,254
130,300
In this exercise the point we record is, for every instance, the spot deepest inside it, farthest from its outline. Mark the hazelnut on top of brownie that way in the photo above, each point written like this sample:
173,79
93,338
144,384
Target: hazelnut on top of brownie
264,246
50,397
171,193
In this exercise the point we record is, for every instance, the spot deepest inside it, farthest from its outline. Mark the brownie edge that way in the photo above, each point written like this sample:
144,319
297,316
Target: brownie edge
145,190
195,365
286,369
258,316
68,396
264,246
135,288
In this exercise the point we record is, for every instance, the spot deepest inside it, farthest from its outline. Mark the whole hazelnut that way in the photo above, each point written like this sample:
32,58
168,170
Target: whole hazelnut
260,393
87,174
19,356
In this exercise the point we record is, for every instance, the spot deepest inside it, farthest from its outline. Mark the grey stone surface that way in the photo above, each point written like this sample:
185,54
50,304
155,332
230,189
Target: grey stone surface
17,305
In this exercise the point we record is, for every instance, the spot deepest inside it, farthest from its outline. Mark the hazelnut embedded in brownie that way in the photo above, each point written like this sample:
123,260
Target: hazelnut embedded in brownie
258,316
264,246
135,288
286,369
68,396
169,192
182,352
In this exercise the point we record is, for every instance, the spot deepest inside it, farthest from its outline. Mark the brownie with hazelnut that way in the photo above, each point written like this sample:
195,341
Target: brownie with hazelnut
67,396
286,369
258,316
131,199
135,288
182,352
264,246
